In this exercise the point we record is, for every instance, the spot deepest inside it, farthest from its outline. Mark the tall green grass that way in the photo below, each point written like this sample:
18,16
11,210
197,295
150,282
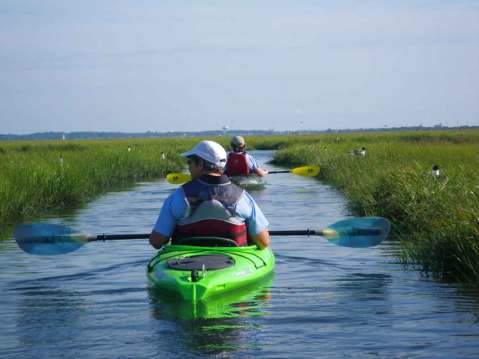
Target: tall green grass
36,177
437,220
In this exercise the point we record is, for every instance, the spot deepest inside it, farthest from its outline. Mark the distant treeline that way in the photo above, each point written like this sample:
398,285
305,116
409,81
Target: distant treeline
85,135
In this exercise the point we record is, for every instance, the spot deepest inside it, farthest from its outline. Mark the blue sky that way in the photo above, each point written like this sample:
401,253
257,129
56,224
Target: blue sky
139,65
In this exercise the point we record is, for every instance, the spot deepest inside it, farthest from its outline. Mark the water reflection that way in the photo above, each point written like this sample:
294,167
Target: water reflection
245,302
6,231
467,300
217,326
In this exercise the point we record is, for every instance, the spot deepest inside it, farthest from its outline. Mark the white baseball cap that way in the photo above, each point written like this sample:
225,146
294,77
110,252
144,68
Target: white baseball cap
210,151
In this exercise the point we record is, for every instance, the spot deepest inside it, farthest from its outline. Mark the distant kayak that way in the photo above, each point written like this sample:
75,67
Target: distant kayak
197,273
249,182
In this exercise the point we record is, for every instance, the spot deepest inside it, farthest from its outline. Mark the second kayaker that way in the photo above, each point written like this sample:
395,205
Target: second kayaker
239,162
210,205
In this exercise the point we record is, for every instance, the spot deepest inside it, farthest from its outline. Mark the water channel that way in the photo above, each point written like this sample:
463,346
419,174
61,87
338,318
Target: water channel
324,301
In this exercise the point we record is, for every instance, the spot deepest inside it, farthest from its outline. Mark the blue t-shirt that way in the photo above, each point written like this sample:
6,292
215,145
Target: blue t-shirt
174,208
252,165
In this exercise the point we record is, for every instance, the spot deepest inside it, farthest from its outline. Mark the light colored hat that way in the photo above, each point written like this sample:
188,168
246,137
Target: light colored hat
210,151
238,141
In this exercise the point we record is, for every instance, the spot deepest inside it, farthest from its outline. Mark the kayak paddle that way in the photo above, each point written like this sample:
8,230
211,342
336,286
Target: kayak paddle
51,239
178,178
356,232
306,171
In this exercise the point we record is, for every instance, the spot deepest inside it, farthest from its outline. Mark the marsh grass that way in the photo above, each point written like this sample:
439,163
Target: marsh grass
36,177
436,219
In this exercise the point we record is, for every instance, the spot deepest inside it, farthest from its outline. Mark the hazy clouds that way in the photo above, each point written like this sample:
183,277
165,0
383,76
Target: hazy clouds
196,65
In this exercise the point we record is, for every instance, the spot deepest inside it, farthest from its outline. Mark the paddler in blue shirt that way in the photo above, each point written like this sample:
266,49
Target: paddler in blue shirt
210,205
240,163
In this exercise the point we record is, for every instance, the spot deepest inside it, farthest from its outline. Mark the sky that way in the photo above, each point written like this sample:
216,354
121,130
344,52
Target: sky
193,65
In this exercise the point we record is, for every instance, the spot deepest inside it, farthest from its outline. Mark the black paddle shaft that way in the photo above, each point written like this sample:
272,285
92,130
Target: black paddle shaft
272,172
307,232
106,237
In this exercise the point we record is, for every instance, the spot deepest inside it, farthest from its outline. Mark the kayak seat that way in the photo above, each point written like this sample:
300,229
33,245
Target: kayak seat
207,242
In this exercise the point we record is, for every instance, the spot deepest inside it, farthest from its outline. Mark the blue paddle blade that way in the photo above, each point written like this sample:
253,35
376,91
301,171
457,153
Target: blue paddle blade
48,239
360,232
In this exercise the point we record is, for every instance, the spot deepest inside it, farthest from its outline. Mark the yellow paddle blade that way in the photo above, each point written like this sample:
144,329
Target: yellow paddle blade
307,171
178,178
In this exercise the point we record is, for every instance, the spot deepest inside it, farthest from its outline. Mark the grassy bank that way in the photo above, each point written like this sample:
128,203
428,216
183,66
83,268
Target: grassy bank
39,176
437,219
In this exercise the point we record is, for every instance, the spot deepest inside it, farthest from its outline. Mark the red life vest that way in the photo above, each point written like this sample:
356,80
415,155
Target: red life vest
236,164
211,211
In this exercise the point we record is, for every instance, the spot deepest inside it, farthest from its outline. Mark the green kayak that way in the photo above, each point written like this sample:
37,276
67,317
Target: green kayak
248,301
196,273
249,182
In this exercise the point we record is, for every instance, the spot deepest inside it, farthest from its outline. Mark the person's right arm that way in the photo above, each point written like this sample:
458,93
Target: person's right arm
262,239
172,209
261,172
253,166
157,240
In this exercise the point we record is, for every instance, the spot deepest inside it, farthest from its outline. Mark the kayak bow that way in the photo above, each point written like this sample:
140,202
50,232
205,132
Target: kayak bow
250,182
197,273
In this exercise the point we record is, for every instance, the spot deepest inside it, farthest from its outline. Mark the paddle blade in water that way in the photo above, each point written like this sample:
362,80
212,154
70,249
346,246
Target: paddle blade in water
358,232
48,239
178,178
308,171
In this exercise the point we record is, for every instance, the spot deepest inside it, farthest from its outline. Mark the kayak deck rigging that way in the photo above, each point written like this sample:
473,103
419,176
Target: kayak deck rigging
198,273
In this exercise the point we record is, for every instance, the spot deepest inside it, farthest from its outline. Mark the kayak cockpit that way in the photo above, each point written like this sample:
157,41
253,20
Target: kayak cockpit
206,242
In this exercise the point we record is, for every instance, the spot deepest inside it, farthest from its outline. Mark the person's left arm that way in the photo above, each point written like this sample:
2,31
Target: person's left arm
256,222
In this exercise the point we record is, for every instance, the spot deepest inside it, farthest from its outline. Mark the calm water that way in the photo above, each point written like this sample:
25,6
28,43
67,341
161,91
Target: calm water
324,301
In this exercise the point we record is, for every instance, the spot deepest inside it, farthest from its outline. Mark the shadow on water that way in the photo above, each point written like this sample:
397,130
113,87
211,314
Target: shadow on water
369,291
365,286
217,326
466,300
41,302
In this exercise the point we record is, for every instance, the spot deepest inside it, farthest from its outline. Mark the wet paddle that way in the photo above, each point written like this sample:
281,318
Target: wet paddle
178,178
306,171
51,239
